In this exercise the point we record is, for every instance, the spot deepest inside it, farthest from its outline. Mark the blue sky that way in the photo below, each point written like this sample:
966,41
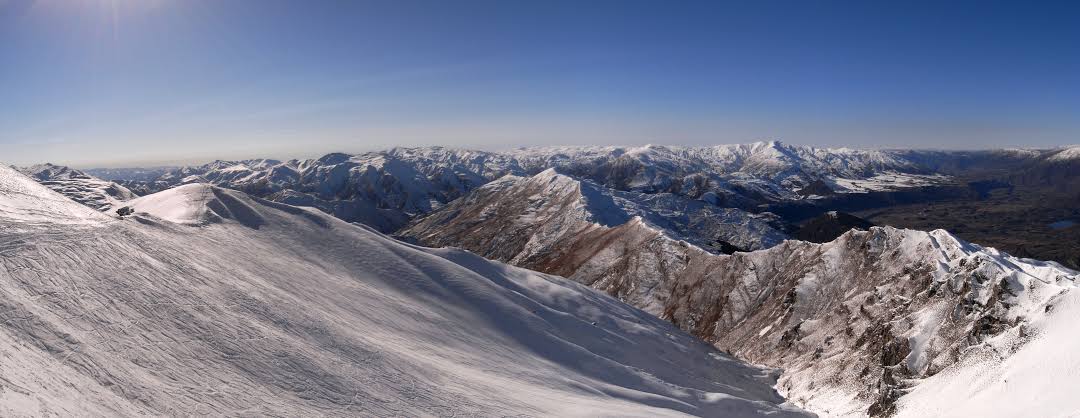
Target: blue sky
99,82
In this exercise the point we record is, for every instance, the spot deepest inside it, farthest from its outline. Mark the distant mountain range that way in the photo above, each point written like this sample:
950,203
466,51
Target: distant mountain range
861,318
415,181
389,189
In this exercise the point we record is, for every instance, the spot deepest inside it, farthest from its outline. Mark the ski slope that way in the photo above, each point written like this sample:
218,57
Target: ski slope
208,302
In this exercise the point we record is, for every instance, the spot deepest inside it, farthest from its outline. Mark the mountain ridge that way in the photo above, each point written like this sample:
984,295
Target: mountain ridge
91,191
387,188
307,314
760,305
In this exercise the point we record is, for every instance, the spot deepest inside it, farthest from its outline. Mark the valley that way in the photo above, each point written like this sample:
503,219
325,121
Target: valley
703,239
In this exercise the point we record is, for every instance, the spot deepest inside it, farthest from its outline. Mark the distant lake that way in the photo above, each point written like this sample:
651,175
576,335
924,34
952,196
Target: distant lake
1065,223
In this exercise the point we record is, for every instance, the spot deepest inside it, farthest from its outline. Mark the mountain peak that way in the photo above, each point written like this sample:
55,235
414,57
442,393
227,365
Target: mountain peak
767,144
199,204
1067,154
334,158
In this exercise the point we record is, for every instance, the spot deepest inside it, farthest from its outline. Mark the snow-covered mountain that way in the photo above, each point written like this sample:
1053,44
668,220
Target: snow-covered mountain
1010,375
385,189
883,321
81,187
855,322
209,302
518,219
1071,153
758,171
1058,169
381,189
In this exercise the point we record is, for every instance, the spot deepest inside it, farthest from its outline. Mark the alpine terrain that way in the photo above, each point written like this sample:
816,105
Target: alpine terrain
81,187
1022,201
205,301
856,323
385,187
533,209
768,252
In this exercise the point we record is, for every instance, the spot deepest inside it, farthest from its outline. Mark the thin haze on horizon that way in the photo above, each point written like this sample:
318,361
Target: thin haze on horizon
115,82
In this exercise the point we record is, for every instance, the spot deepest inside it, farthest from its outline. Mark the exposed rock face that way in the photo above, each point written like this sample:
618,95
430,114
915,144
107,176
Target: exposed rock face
851,321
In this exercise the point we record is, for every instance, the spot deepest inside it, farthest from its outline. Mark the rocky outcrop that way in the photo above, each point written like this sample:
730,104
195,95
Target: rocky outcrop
852,322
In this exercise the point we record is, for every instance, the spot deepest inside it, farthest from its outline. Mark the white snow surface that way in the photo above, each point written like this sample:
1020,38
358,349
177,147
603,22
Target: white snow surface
208,302
1012,375
191,204
887,181
1029,370
26,202
91,191
1066,154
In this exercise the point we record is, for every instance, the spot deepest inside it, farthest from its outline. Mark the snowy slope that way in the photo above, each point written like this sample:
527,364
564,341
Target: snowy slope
248,307
855,323
382,189
515,219
83,188
1013,375
26,203
196,204
864,317
1066,154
